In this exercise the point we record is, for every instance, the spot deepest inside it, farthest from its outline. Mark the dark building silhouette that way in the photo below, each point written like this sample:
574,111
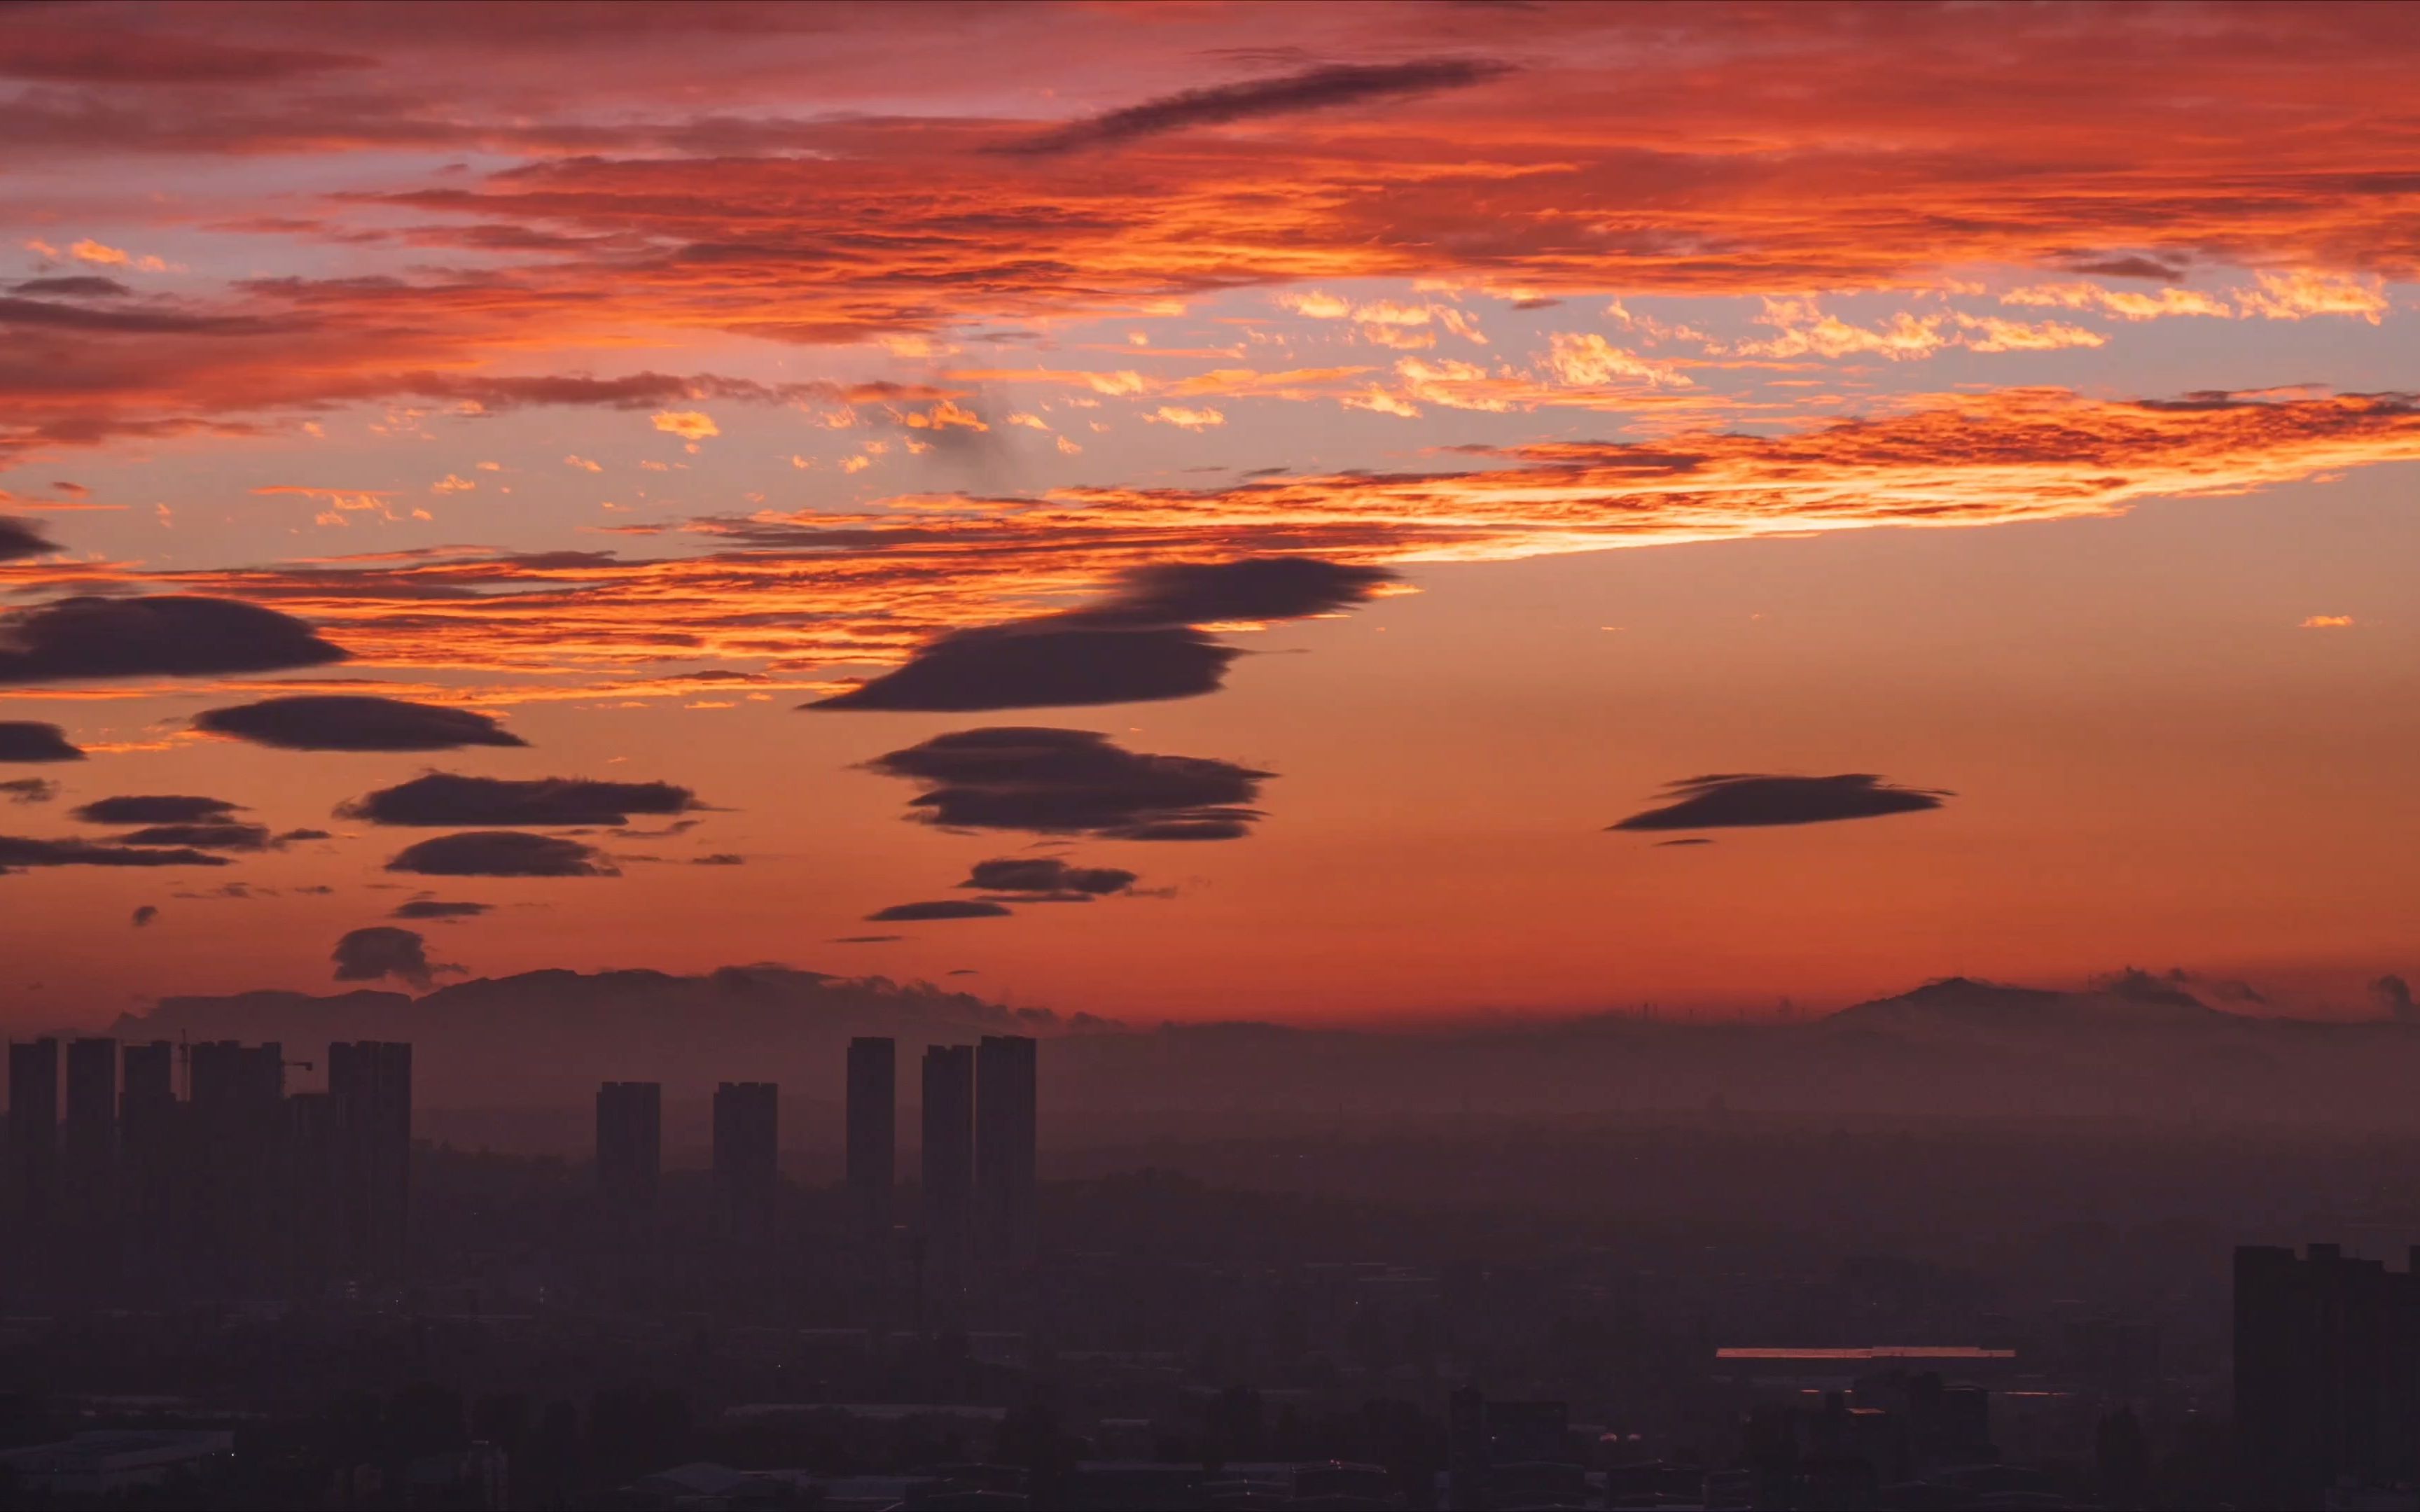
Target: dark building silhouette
629,1145
2327,1372
371,1081
947,1158
317,1176
236,1239
89,1132
1004,1149
33,1127
872,1134
151,1149
746,1164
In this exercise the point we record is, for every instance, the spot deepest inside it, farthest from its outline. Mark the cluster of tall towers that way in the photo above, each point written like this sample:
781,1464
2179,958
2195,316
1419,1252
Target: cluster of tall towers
235,1188
977,1151
747,1156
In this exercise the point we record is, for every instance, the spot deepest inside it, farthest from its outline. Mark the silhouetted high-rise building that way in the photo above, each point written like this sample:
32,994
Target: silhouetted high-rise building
372,1079
223,1075
2327,1372
629,1145
234,1122
322,1196
33,1126
89,1132
152,1145
747,1162
872,1133
948,1160
151,1078
1005,1149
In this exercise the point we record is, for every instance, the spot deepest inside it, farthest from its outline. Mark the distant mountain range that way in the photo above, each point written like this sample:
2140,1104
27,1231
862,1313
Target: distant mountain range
2135,1045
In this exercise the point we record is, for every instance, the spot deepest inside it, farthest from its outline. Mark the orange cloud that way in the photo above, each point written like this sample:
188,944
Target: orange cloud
801,597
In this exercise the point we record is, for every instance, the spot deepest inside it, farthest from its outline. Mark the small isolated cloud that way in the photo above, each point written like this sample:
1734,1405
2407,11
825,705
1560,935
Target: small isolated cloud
145,915
940,908
1048,879
384,950
1143,643
501,853
1073,782
172,636
156,808
2393,997
2328,622
29,789
866,939
449,798
439,908
1692,840
354,722
689,424
1186,417
19,538
719,858
1743,799
27,740
1321,88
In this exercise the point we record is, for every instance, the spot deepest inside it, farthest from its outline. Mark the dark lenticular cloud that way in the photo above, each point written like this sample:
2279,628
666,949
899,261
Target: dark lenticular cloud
384,950
940,908
1321,88
1139,645
229,836
354,722
25,740
156,808
73,287
1046,664
500,853
29,789
1073,782
19,538
439,908
1727,800
17,853
1048,879
449,798
170,635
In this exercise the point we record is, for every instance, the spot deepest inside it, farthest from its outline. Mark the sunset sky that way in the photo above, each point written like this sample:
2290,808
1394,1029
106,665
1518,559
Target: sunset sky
1290,480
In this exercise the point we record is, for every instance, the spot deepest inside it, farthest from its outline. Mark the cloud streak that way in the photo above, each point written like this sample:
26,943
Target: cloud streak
354,722
448,798
171,636
27,740
501,854
1073,782
1322,88
1732,800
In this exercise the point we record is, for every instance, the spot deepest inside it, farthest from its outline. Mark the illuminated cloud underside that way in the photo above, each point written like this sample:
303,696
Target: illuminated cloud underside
774,609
